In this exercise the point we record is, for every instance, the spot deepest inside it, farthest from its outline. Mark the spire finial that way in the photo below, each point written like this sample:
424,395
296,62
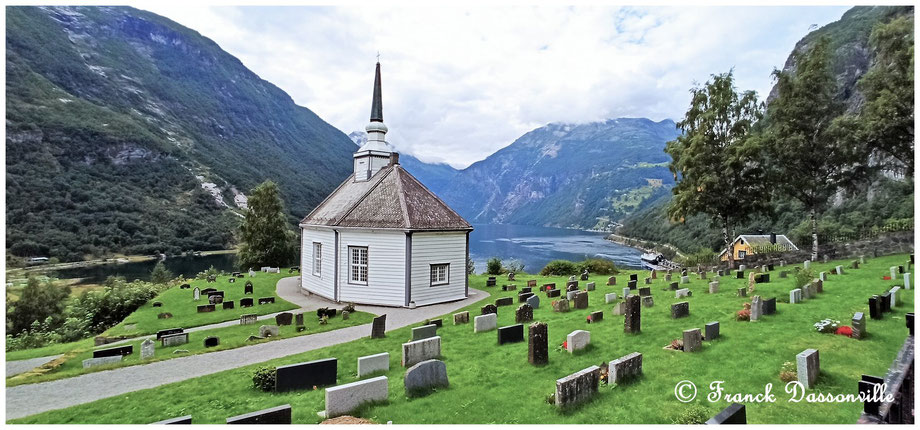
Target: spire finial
377,103
378,56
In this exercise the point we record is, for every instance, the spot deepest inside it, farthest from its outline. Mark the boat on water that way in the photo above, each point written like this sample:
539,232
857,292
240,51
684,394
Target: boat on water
656,261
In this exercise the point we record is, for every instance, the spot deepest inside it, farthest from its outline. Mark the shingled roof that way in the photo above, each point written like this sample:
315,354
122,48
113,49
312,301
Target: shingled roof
392,198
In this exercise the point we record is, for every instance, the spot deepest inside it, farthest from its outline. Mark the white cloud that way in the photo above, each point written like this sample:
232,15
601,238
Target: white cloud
461,82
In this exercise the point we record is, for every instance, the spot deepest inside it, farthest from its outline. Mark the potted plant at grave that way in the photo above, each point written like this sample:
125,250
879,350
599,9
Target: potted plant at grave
827,325
788,372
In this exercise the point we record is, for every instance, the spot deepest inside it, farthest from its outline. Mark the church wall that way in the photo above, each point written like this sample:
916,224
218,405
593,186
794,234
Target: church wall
386,255
438,248
322,284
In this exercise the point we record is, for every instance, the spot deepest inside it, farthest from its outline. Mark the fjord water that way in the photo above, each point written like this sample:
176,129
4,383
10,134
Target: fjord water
186,266
536,246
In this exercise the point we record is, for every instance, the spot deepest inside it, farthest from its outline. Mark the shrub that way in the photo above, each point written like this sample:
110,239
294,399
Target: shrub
598,266
702,257
559,268
803,277
205,274
470,266
514,266
693,414
160,274
264,378
494,266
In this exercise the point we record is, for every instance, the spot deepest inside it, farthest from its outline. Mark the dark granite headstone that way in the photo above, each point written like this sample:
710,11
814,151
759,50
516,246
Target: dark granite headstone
112,352
674,286
581,300
721,273
571,285
553,293
712,330
733,414
228,305
169,331
632,322
247,289
491,281
522,297
526,290
206,308
211,341
524,313
538,344
504,301
298,319
901,269
770,267
157,304
208,291
246,302
769,306
633,277
597,316
488,309
187,419
277,415
265,300
378,328
305,376
185,286
875,308
437,323
680,310
868,386
284,318
739,274
632,284
215,299
231,280
511,334
909,317
886,302
645,291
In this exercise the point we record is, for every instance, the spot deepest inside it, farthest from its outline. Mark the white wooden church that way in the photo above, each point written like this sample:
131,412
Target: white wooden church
381,237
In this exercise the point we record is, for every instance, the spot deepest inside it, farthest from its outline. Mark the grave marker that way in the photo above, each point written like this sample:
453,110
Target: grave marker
379,327
424,332
859,326
577,340
712,330
524,313
538,344
425,375
578,387
610,297
733,414
277,415
680,310
421,350
485,323
248,319
809,366
624,368
342,399
511,334
633,321
373,363
148,349
462,317
534,302
693,340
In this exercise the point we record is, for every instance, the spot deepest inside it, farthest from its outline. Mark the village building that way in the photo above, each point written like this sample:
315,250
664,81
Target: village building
382,237
750,244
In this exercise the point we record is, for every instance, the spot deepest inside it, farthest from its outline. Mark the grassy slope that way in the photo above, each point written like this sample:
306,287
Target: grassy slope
748,356
230,338
184,309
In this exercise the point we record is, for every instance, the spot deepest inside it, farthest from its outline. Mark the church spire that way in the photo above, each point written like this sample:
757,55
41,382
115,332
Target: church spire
377,103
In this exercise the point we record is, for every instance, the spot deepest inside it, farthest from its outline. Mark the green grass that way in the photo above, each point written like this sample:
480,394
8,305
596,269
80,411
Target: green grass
230,337
53,349
184,309
492,384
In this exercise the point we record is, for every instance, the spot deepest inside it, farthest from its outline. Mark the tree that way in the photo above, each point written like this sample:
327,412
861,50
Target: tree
716,165
810,154
887,119
265,239
160,274
38,302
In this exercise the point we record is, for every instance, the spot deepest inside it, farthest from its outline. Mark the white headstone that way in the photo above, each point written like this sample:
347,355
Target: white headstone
907,281
345,398
196,293
485,322
610,297
148,349
373,363
578,339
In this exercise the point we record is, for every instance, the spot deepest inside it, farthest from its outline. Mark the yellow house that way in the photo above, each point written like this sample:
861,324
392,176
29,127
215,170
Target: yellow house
748,244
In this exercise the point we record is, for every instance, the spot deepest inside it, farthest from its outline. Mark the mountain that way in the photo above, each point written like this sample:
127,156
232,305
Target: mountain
567,175
129,133
435,176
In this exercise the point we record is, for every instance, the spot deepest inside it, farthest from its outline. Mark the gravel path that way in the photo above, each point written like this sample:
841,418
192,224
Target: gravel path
22,366
29,399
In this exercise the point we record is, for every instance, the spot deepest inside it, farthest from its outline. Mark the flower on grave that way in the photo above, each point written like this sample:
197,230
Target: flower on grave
845,331
886,278
589,319
744,315
565,345
827,325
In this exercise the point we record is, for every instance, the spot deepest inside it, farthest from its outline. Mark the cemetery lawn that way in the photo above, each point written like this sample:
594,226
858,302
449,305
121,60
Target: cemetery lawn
53,349
230,337
496,384
183,307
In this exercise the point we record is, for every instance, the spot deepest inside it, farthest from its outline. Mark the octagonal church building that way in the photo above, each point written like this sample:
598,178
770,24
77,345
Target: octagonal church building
383,238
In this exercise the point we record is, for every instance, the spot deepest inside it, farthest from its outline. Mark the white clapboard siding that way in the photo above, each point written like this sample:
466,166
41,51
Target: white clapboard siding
386,261
321,285
438,248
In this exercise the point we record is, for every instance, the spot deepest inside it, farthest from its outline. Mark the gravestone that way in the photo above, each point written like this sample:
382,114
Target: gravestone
379,327
783,274
277,415
345,398
885,302
581,300
491,282
683,292
822,276
185,419
571,285
553,293
713,287
305,376
625,292
762,278
298,319
111,352
854,264
590,286
485,323
206,308
648,301
612,280
169,331
509,287
667,277
534,302
733,414
424,332
421,350
684,279
511,276
648,281
561,305
859,326
770,267
578,387
185,286
164,315
619,308
522,298
157,304
511,334
248,319
524,313
538,344
875,308
532,283
769,306
610,297
268,331
809,366
674,286
208,291
211,341
526,290
756,308
424,376
101,361
894,272
247,289
266,300
907,281
284,318
900,270
246,302
739,274
488,309
742,292
462,317
148,349
645,291
231,280
596,316
577,340
895,297
174,339
633,321
721,273
196,294
584,275
806,264
373,363
680,310
633,277
632,285
712,330
228,305
693,340
624,368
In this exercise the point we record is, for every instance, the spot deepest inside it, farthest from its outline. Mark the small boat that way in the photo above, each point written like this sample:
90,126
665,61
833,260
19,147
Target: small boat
652,261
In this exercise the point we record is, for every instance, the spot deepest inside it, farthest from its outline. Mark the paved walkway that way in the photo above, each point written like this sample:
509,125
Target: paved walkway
22,366
30,399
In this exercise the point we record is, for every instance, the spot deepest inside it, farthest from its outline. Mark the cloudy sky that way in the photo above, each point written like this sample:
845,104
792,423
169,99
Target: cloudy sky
459,83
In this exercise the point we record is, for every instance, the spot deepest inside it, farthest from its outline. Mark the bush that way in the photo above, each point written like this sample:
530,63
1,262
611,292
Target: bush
598,266
693,414
160,274
514,266
494,266
470,266
264,378
803,277
559,268
702,257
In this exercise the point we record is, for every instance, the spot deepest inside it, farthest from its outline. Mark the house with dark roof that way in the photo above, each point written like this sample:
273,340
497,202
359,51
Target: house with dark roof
750,244
382,237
